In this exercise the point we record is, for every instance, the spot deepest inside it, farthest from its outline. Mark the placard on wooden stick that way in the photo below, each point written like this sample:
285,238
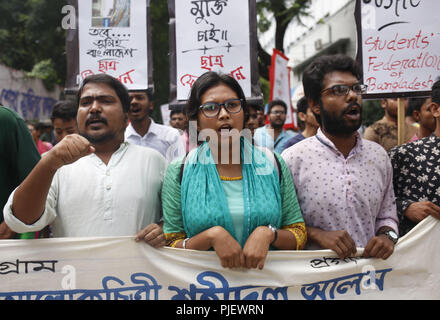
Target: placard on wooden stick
398,48
207,35
280,85
112,37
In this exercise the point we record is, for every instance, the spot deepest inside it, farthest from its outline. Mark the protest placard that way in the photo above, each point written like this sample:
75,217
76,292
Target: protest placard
398,46
280,85
211,35
112,37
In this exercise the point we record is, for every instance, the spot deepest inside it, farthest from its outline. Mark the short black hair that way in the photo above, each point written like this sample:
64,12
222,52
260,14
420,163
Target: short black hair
315,72
207,81
148,92
38,126
34,123
302,105
173,112
65,110
414,104
120,89
277,102
257,106
435,94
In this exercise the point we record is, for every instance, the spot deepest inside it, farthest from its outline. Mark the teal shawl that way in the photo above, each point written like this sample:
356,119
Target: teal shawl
204,203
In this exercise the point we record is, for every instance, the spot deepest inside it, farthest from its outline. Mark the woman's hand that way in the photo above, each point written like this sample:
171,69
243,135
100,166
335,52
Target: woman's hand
257,246
227,248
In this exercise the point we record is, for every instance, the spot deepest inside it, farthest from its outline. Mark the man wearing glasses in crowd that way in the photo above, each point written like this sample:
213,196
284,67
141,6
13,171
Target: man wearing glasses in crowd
344,183
273,136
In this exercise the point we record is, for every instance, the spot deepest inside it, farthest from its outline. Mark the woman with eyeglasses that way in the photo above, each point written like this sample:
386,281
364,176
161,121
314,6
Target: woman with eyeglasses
229,195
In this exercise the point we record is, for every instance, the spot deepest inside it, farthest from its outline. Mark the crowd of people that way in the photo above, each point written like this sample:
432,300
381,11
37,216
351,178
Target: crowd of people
243,187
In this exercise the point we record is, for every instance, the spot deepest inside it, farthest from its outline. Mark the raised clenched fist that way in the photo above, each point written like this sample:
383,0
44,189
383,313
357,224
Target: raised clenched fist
69,150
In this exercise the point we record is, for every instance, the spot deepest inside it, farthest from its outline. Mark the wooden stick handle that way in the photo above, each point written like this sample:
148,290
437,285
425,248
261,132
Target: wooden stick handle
401,132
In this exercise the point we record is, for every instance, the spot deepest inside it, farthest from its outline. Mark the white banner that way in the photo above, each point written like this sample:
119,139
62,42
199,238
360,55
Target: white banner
120,268
113,40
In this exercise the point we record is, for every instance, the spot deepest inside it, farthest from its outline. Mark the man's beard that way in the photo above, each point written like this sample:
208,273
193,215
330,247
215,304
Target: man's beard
277,125
99,139
141,119
337,125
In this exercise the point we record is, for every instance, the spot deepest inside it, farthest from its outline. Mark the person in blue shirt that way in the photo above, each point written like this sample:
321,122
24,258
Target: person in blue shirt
307,121
272,135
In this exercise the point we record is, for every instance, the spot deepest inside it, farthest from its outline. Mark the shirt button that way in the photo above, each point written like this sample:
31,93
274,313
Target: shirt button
108,187
107,172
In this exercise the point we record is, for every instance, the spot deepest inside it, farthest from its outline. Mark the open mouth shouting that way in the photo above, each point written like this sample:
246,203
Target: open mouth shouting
225,130
353,112
135,110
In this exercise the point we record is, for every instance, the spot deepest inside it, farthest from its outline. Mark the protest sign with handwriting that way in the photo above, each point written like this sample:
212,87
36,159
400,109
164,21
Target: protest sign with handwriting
398,46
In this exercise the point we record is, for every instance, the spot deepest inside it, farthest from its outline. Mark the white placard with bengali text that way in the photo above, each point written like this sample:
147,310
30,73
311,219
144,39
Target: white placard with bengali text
212,35
113,40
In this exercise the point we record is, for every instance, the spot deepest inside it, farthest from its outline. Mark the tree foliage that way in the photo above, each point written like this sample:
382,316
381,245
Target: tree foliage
32,38
283,13
371,112
160,45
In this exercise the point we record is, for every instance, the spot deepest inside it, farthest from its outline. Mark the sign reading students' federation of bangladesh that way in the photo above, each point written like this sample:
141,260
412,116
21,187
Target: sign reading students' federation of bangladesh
398,46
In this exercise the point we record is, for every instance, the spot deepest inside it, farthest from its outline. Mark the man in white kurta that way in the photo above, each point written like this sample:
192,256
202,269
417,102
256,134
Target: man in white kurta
89,198
94,184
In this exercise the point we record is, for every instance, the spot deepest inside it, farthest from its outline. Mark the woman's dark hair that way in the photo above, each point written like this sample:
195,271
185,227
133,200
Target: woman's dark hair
207,81
120,89
315,72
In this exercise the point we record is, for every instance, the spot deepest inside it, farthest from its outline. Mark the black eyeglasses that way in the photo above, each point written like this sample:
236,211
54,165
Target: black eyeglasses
212,109
278,113
343,90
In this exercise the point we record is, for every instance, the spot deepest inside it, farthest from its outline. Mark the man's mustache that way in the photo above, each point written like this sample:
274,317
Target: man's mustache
96,119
